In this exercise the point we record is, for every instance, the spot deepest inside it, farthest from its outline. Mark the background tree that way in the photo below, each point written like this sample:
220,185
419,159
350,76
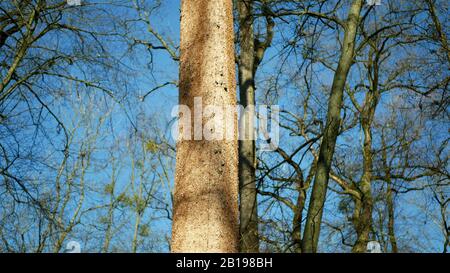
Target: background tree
315,209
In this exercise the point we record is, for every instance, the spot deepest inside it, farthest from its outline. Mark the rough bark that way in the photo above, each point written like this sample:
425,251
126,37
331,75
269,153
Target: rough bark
249,241
315,210
206,181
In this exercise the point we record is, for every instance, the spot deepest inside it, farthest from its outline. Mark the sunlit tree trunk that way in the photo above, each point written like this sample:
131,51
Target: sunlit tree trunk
331,131
206,180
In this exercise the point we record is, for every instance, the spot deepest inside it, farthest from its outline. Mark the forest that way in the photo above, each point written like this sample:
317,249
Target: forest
115,134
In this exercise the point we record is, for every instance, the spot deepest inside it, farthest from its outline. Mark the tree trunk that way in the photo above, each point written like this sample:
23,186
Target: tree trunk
315,209
389,197
297,221
362,220
391,218
249,241
205,217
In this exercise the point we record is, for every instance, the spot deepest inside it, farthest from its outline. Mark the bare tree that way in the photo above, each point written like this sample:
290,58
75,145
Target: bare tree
315,209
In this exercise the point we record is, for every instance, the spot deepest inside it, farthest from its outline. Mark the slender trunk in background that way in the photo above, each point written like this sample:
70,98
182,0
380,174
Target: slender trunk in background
111,206
362,218
297,219
389,197
315,209
391,217
249,241
206,176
